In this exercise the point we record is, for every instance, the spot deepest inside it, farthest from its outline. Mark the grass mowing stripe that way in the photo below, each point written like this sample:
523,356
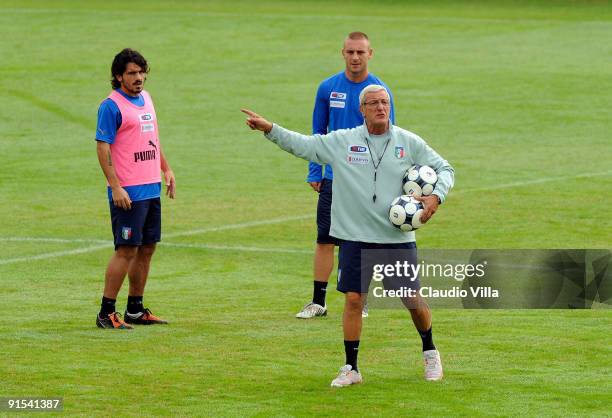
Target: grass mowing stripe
53,108
337,17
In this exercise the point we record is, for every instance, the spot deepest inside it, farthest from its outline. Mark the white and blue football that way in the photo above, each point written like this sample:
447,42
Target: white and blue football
405,213
419,180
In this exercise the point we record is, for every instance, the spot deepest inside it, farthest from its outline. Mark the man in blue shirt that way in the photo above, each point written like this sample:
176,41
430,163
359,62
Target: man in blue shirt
131,159
336,107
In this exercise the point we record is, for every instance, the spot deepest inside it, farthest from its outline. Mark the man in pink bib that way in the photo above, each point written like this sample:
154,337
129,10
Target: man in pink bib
132,160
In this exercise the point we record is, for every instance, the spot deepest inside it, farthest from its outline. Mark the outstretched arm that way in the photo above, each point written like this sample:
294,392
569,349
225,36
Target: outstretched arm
318,148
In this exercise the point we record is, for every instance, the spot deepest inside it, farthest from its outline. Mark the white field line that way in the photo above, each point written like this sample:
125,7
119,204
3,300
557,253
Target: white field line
530,182
237,226
105,244
77,251
514,266
55,254
237,248
58,240
246,225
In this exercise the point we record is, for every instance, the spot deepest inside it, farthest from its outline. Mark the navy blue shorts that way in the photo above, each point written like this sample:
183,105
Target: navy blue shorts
324,214
139,225
356,262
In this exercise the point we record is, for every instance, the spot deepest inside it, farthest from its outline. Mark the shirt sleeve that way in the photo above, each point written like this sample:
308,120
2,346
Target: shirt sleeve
109,121
425,155
320,120
316,148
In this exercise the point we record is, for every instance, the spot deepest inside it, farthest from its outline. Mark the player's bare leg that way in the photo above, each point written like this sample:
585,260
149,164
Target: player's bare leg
323,262
421,317
138,270
117,269
138,274
419,311
351,318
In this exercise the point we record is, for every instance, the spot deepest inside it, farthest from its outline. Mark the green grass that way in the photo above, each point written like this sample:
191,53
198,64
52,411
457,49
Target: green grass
509,93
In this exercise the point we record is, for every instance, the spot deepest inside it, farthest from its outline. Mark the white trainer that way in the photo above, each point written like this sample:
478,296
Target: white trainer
310,310
433,365
346,377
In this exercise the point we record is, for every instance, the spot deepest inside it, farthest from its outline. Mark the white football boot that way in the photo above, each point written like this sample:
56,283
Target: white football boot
346,377
433,365
311,310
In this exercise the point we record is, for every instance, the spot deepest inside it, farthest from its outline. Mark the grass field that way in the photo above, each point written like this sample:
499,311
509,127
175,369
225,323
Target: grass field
515,95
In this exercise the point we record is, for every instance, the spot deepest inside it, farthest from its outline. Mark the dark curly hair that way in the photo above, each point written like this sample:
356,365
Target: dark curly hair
121,61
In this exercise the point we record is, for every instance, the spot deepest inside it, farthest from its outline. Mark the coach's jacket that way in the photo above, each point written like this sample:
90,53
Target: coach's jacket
355,214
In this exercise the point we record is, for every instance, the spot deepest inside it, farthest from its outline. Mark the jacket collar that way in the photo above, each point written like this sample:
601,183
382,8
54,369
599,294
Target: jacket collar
366,133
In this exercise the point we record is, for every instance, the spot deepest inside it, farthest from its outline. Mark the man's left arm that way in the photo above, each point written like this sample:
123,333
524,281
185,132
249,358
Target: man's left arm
168,175
425,155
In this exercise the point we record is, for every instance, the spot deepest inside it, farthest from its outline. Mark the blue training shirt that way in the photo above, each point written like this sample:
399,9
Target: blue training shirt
337,107
109,121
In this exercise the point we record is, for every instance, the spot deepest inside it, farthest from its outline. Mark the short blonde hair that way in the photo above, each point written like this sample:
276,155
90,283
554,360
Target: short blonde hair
357,35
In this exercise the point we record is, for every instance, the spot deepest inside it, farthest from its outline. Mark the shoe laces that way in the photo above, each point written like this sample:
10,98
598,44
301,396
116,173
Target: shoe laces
313,308
146,313
117,317
345,370
431,362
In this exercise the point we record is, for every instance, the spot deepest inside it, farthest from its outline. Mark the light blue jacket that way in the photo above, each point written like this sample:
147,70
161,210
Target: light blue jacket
355,216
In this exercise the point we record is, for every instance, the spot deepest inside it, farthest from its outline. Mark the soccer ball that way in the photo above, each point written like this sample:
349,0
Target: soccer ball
405,213
419,180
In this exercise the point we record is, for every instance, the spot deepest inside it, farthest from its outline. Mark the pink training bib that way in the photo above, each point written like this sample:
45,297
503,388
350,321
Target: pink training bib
135,152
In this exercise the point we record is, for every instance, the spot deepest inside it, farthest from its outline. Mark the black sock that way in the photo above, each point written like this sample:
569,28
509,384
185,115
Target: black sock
107,307
320,289
427,340
134,304
351,349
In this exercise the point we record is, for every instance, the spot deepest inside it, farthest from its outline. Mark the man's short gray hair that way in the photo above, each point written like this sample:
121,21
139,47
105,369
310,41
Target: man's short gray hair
371,89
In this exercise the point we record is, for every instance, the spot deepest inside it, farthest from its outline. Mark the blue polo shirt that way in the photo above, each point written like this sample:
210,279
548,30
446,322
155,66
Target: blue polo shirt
337,107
